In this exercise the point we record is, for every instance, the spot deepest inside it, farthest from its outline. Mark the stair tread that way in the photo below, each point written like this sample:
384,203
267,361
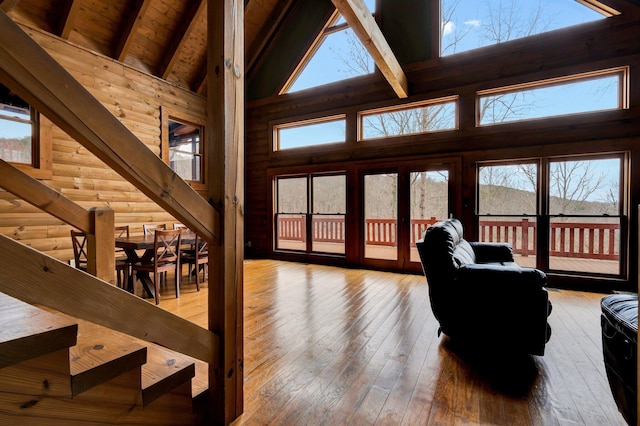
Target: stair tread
27,332
163,370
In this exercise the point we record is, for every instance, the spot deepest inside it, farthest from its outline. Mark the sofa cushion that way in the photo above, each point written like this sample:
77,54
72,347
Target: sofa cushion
463,253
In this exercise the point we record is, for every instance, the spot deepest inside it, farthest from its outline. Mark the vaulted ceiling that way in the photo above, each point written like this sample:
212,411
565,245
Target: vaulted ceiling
167,38
164,38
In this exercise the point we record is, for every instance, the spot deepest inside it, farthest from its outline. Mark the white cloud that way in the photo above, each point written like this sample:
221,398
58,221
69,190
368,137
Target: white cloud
449,27
473,22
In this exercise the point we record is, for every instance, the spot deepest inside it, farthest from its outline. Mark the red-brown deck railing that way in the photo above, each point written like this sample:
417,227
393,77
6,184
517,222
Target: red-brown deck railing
568,239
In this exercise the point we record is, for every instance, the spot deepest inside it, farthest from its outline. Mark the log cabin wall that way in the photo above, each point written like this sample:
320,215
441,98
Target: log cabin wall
598,45
136,99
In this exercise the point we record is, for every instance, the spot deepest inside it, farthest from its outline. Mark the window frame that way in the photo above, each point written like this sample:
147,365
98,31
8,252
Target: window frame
276,127
165,117
409,106
623,93
543,217
41,147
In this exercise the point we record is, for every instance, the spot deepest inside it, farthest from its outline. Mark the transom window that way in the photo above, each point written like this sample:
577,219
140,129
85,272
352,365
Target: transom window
590,92
309,133
415,118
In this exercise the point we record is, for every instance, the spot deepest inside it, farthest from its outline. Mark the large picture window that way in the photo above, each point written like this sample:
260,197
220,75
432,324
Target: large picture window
575,207
310,213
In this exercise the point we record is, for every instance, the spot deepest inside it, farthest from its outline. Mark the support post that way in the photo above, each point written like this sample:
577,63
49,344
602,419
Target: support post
101,244
225,190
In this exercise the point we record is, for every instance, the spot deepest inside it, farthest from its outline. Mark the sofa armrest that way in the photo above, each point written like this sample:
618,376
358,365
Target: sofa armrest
508,279
492,252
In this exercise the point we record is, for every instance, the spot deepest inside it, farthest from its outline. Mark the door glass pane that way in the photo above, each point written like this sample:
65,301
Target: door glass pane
291,213
584,204
381,216
429,203
328,216
507,208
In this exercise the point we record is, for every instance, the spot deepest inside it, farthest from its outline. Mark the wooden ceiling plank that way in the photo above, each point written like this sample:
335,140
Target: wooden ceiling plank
357,15
191,18
131,26
7,5
67,18
277,15
32,73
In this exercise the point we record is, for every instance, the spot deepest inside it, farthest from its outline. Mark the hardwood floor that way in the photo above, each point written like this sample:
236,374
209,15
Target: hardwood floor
334,346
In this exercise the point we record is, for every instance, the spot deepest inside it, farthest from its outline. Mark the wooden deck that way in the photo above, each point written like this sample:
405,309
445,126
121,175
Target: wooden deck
326,345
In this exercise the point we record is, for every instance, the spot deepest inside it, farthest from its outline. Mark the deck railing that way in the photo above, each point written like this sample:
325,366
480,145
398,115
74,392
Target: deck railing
567,239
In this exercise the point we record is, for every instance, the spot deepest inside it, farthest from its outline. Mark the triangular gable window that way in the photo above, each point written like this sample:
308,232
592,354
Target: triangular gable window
337,54
470,24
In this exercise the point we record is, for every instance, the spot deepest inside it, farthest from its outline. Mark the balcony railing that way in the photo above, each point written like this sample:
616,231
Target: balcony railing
567,239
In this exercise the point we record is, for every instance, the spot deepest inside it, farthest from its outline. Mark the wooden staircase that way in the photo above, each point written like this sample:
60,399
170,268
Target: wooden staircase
55,369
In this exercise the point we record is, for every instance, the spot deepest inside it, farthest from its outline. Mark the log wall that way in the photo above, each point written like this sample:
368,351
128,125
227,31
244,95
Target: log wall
136,99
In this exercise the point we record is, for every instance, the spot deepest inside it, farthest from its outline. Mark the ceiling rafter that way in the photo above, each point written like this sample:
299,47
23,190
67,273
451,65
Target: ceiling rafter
196,8
364,26
133,22
7,5
67,18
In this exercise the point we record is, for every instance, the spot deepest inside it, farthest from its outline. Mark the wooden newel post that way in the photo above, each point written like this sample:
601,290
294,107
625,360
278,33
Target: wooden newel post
101,244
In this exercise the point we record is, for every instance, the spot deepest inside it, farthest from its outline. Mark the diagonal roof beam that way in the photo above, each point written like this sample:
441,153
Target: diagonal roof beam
133,22
357,15
196,8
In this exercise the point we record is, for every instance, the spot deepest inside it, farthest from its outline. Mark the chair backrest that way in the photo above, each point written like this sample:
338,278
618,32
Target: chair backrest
179,226
202,248
148,228
167,245
79,241
437,250
121,231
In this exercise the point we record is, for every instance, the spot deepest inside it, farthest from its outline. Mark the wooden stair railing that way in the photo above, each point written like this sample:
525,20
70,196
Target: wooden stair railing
55,369
39,279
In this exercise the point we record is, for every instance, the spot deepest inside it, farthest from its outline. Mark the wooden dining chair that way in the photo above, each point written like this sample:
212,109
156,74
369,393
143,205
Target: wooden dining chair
148,228
79,241
166,257
123,264
199,258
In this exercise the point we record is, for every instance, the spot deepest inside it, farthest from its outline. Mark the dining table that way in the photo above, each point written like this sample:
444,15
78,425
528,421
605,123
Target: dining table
139,248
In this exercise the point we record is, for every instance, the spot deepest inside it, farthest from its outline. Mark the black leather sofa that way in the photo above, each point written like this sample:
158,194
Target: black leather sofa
619,321
480,295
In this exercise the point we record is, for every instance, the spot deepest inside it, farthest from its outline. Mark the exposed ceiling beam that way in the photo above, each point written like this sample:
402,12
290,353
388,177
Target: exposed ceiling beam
357,15
7,5
277,15
132,24
67,18
191,18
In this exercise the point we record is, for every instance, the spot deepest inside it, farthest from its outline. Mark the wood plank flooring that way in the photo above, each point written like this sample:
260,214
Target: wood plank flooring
333,346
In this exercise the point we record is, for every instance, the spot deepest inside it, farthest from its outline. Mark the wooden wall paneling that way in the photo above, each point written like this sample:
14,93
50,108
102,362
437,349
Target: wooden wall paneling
135,99
160,177
43,197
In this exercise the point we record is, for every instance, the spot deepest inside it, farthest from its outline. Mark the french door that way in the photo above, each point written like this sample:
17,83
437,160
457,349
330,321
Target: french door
398,205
